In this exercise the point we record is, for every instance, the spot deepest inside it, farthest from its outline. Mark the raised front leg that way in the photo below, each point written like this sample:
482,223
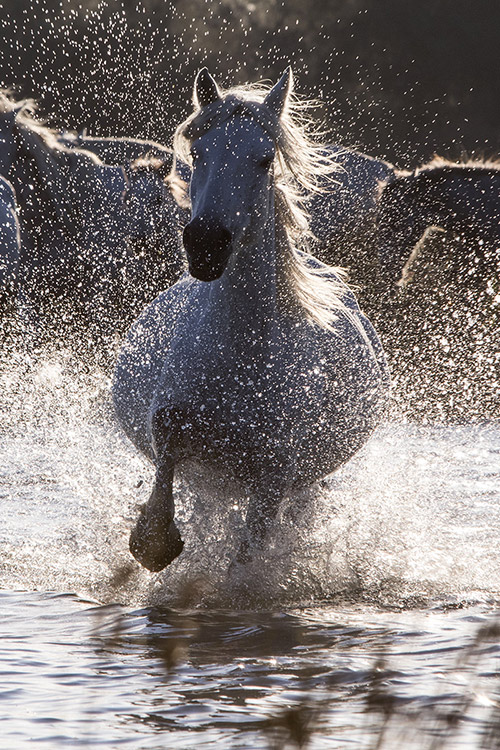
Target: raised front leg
155,541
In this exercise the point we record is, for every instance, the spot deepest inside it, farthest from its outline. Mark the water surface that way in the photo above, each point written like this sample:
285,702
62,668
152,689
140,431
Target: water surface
370,617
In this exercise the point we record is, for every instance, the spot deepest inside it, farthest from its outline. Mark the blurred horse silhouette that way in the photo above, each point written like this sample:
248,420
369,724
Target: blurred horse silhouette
343,220
441,323
97,241
260,362
10,247
462,199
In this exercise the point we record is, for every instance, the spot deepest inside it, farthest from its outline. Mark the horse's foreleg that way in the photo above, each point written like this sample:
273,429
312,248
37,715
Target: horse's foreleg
155,541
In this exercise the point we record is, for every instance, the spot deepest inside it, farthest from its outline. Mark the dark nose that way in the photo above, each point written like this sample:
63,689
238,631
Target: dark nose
208,247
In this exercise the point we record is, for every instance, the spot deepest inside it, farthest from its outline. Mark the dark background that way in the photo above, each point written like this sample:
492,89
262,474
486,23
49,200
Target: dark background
400,79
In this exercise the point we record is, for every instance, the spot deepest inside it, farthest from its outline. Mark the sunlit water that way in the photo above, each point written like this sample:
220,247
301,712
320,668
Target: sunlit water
371,595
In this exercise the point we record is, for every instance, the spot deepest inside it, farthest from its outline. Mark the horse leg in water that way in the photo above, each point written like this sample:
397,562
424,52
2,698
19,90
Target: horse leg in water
155,541
262,509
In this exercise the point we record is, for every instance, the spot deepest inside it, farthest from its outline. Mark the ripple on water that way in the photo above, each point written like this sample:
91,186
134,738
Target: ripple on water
79,674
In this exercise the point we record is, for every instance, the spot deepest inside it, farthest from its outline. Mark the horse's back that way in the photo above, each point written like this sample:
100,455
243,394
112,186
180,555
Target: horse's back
116,151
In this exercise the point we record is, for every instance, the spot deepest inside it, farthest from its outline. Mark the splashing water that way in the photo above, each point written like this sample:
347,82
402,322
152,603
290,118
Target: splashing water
413,517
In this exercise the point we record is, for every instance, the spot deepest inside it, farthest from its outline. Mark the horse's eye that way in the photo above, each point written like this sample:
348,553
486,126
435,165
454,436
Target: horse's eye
266,162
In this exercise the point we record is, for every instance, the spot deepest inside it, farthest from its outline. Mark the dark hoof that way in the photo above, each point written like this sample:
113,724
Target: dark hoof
155,543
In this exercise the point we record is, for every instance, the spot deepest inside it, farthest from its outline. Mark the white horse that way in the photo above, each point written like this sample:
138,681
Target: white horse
262,365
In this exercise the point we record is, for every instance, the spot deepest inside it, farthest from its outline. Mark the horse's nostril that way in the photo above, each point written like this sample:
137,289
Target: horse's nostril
208,232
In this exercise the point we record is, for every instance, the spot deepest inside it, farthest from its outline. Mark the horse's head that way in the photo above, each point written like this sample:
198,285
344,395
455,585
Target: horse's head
232,152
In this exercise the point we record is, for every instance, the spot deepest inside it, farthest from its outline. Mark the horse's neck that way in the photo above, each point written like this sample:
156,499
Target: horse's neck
248,295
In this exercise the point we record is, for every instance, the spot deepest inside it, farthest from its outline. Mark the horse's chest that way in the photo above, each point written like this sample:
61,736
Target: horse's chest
254,408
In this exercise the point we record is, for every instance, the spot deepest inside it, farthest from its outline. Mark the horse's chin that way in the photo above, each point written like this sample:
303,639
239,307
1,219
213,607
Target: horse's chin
209,269
206,274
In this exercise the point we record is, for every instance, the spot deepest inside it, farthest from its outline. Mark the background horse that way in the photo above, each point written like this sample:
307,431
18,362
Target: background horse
462,199
10,247
343,220
262,365
87,229
118,151
441,328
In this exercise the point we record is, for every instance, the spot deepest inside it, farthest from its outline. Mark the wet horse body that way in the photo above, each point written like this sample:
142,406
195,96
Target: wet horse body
228,367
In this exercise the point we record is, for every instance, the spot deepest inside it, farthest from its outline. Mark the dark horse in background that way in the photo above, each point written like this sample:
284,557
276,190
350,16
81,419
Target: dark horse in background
97,241
10,247
343,220
438,240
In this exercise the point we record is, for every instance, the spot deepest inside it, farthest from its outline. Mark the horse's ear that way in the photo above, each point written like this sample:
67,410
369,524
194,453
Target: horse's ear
206,90
277,97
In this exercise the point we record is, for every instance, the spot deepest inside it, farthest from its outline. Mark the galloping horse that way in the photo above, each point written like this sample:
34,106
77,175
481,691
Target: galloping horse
443,322
260,362
463,199
87,229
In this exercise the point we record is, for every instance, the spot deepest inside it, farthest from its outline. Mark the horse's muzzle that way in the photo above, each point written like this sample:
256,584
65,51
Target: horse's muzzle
208,246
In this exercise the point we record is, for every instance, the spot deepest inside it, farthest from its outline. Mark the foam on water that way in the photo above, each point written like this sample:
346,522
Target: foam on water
414,516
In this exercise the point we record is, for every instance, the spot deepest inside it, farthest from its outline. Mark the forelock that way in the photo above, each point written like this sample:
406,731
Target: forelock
222,110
